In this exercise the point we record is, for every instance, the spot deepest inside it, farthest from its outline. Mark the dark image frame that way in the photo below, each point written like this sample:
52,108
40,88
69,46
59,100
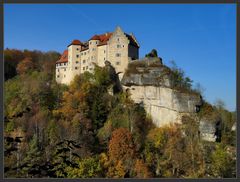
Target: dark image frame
237,2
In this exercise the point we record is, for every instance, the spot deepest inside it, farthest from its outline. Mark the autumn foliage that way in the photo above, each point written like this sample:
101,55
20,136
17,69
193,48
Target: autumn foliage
53,130
121,146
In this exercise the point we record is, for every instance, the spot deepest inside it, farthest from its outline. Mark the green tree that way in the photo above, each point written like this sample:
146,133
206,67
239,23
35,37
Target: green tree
86,168
32,160
222,163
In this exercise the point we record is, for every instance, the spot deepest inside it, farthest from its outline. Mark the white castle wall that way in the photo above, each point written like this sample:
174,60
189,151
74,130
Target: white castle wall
117,51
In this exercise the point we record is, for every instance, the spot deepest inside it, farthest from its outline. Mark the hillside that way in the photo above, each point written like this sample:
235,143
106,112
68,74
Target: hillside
99,127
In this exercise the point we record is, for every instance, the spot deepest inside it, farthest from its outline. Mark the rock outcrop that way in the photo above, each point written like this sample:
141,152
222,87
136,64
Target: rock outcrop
208,130
150,85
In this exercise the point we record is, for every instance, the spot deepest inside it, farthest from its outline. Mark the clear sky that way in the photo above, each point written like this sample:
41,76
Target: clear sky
201,38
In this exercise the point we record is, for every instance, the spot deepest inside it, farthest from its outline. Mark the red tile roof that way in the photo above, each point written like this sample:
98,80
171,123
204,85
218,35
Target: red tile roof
64,57
75,42
103,39
95,37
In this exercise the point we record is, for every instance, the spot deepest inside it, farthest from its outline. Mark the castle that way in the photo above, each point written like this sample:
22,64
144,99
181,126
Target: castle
146,83
117,47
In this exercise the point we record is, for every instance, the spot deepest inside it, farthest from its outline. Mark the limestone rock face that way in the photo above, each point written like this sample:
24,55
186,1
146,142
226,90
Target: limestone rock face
208,130
147,71
150,84
116,87
164,105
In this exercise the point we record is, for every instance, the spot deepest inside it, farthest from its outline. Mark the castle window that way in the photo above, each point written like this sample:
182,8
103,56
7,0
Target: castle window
58,76
104,51
58,70
83,68
118,46
77,49
76,62
86,67
123,45
118,63
90,43
77,55
65,69
118,55
96,42
84,53
104,58
118,39
76,68
64,63
92,57
93,49
84,61
64,75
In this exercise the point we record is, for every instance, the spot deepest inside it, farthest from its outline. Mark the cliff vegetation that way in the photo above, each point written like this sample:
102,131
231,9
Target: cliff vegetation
82,131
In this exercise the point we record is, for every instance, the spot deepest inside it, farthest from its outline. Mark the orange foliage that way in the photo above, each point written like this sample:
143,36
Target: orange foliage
121,146
142,170
24,66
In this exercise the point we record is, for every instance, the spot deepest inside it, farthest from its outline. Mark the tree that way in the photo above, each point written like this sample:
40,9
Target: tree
153,53
121,146
32,160
174,154
117,171
86,168
220,104
122,149
154,148
199,89
194,148
179,80
141,169
222,163
11,58
25,66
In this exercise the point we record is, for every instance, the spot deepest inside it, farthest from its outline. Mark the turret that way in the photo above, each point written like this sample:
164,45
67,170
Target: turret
74,55
93,51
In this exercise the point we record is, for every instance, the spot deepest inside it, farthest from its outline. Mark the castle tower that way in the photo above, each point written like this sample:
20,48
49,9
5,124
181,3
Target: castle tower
117,47
118,50
74,63
93,51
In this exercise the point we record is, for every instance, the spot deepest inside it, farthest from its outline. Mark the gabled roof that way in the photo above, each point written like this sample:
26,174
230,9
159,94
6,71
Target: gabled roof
63,58
132,40
103,38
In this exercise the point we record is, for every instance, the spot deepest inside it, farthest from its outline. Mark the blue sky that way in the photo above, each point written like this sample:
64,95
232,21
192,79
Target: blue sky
201,38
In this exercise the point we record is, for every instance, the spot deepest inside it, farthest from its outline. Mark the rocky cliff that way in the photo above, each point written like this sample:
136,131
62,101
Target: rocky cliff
149,83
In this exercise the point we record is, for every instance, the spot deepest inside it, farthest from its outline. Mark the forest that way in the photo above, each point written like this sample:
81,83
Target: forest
82,131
